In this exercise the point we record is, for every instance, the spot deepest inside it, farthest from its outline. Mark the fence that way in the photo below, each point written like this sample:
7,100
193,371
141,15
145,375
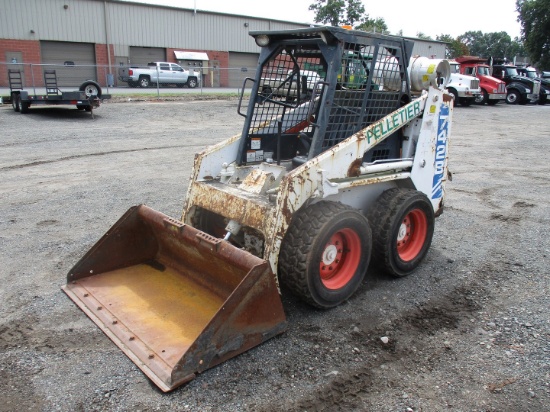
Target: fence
73,75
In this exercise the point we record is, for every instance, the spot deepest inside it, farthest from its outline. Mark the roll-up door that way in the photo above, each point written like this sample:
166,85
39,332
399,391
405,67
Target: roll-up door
73,62
241,66
142,55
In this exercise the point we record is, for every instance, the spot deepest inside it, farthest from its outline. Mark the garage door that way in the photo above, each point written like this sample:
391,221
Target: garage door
73,62
143,55
241,66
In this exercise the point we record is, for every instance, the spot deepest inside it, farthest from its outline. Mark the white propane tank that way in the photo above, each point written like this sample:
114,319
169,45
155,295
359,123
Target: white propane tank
425,72
386,74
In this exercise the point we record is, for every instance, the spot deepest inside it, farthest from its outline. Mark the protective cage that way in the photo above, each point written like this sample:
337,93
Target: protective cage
315,88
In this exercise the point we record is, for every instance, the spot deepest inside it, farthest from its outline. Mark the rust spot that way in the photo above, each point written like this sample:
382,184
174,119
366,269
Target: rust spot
447,98
354,169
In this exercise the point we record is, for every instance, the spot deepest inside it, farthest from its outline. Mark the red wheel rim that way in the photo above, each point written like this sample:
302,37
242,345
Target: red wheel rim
340,259
412,235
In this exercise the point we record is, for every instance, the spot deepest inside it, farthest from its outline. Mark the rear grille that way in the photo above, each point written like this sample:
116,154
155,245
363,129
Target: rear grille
474,84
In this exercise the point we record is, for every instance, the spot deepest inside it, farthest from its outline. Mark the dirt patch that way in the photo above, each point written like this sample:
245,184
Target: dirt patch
468,331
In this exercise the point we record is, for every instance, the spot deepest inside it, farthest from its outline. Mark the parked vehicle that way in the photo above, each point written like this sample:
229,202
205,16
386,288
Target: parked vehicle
88,97
158,72
519,89
308,191
289,84
464,89
531,73
493,90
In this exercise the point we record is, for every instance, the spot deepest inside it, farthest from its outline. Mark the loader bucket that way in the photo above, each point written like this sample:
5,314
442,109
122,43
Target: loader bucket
176,300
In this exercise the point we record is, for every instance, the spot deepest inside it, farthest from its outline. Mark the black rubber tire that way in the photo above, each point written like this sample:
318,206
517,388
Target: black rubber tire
543,100
492,102
15,102
454,95
192,82
23,106
80,107
466,101
144,82
388,222
91,88
482,98
315,233
513,97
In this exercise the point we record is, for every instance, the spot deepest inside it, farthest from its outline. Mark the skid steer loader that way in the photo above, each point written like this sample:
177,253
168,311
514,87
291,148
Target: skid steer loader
324,179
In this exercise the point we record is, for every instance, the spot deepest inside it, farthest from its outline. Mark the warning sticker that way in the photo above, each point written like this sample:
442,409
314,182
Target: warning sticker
250,156
255,144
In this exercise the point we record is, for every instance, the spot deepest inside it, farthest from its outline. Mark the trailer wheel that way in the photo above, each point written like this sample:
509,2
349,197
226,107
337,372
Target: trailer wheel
23,106
482,98
402,222
15,101
91,88
325,253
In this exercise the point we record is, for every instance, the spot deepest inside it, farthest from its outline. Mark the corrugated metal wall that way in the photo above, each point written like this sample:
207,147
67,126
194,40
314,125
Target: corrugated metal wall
130,24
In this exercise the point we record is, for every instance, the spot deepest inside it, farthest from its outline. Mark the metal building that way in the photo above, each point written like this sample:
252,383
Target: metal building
90,39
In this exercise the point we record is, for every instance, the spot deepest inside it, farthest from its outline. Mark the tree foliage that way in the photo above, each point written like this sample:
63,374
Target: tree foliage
534,17
495,44
455,48
338,12
377,25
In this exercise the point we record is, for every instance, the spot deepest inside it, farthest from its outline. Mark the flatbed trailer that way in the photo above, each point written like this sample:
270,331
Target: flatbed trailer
88,97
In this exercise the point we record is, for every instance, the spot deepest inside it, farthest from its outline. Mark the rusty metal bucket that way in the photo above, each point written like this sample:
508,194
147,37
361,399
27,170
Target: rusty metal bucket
176,300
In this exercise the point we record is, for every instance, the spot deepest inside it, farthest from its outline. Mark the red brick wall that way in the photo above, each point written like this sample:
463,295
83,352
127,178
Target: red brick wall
102,61
31,54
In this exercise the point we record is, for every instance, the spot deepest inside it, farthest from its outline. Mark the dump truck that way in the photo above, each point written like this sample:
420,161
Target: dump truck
316,188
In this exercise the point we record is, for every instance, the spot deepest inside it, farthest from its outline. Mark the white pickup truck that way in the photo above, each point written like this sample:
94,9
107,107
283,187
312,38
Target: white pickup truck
159,72
464,89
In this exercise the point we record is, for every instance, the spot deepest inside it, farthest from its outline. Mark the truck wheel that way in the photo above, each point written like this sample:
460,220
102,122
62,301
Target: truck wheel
454,95
492,102
482,98
192,82
91,88
402,223
513,97
325,253
144,82
543,99
15,101
465,101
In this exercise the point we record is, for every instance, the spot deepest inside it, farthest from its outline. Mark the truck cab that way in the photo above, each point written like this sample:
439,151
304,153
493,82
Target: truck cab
493,90
531,73
464,89
520,89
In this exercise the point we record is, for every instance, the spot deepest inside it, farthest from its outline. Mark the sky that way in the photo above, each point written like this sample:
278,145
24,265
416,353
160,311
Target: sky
429,17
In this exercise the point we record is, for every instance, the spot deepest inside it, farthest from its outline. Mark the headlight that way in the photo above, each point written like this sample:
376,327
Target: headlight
262,40
527,90
495,91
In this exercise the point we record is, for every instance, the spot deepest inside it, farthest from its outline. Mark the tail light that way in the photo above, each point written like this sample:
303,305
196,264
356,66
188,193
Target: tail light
130,72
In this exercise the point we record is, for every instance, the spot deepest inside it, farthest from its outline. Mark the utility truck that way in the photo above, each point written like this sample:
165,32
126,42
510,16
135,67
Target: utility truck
313,191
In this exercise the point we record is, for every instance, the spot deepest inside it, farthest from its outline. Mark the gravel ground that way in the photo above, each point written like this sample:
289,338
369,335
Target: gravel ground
468,331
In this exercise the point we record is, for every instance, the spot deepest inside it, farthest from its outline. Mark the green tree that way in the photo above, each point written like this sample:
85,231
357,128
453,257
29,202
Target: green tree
495,44
534,17
423,36
455,48
377,25
338,12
